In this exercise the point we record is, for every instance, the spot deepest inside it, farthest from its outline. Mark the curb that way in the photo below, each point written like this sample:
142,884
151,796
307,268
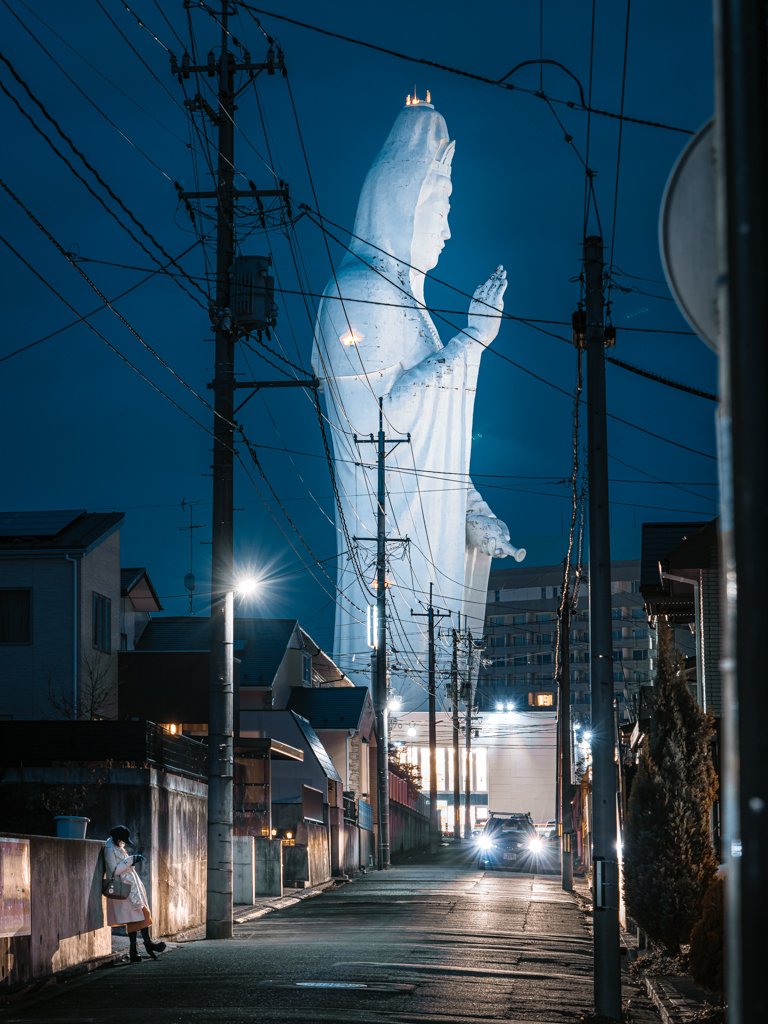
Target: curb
672,1007
283,902
38,985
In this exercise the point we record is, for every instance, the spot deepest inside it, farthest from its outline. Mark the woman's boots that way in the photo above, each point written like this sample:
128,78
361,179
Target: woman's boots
133,954
151,947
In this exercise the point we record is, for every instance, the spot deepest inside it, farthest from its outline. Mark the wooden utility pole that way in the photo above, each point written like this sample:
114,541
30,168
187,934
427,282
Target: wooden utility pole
455,736
431,613
607,981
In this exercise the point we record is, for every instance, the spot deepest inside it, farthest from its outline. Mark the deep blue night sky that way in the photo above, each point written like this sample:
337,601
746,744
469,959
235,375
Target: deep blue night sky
82,430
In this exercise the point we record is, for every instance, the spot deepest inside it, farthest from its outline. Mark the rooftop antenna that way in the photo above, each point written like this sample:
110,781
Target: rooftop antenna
189,579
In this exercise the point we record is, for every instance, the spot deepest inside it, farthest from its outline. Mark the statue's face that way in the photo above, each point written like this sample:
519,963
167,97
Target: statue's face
430,228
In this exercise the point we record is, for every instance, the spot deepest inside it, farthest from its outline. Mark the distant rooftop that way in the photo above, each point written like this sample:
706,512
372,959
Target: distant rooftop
260,644
337,707
136,585
56,529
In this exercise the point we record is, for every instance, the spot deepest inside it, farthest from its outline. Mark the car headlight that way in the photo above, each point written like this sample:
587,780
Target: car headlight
485,843
535,845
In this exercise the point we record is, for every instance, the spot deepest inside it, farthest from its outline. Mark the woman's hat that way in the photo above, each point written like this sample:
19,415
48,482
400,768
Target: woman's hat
121,834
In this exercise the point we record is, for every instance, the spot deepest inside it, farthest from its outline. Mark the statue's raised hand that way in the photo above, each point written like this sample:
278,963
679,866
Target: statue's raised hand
486,307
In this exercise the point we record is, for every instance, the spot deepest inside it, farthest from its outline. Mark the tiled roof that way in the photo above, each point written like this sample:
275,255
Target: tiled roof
176,633
58,530
339,707
317,748
260,644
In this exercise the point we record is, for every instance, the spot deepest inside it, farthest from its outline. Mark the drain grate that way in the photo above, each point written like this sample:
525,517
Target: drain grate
341,986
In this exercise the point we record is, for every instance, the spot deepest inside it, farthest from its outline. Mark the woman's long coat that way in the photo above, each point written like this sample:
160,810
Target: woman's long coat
118,860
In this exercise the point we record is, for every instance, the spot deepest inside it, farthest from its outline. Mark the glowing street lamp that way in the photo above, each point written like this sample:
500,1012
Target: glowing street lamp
221,759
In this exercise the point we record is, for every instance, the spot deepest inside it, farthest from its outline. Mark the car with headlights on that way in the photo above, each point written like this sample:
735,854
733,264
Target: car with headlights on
510,840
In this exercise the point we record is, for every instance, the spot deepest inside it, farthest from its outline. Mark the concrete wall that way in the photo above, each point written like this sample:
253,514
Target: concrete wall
68,914
309,861
165,812
408,830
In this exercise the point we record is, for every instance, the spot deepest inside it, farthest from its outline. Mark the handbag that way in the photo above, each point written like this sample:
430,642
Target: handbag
115,888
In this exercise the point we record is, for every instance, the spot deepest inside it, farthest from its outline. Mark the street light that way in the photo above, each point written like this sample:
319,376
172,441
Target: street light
221,761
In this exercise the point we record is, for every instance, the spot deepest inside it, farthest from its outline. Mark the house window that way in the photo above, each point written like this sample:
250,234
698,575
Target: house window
306,669
541,700
640,655
102,622
543,659
16,616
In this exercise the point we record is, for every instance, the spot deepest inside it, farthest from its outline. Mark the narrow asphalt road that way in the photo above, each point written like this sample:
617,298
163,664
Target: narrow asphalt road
428,941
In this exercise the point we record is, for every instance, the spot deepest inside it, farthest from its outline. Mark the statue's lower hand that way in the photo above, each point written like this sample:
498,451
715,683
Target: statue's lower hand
486,307
491,536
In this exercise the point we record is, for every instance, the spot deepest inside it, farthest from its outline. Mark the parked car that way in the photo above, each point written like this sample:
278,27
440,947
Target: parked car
510,840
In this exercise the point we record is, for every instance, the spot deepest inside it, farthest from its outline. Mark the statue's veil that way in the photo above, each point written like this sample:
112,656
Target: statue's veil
417,146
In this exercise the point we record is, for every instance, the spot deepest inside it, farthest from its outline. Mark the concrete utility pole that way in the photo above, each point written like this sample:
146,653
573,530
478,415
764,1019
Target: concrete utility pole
434,827
742,165
564,723
220,716
455,732
605,887
221,695
380,695
468,743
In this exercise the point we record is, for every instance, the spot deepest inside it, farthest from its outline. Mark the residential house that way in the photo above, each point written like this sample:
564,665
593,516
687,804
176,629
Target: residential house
59,623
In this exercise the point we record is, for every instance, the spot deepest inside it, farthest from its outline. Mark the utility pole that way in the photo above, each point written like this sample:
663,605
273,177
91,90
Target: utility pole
605,883
468,743
455,734
225,327
741,160
564,787
430,614
380,693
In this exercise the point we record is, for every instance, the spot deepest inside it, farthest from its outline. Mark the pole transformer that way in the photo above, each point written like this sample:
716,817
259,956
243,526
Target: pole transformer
605,888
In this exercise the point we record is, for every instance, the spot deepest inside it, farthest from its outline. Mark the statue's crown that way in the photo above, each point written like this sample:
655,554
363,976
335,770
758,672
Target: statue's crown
414,101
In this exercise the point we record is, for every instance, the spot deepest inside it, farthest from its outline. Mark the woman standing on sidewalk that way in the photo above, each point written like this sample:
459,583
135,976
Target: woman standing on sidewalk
132,912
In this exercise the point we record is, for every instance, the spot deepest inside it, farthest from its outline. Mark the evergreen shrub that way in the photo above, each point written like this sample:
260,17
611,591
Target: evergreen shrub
669,861
708,939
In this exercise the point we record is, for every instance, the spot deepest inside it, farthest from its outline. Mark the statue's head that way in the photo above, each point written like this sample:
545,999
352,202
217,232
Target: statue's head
404,202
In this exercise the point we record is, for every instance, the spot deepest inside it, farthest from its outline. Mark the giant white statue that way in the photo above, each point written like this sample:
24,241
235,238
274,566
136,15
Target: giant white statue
376,340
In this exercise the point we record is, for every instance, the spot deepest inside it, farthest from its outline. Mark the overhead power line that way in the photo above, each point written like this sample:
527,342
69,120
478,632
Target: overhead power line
474,76
500,355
